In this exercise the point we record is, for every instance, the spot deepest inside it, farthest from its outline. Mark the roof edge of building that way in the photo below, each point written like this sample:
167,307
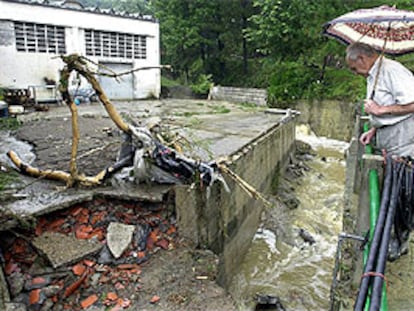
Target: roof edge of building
71,5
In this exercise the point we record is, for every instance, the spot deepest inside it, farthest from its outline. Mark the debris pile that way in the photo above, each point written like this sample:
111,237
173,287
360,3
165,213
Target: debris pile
89,254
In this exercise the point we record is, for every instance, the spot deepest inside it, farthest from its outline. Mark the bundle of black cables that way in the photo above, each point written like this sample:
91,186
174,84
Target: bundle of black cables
396,210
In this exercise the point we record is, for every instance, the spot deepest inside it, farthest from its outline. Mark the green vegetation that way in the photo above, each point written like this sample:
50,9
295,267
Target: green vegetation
202,85
9,124
219,109
167,82
7,178
273,44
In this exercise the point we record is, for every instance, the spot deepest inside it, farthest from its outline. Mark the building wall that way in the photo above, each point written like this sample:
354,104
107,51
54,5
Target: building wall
21,69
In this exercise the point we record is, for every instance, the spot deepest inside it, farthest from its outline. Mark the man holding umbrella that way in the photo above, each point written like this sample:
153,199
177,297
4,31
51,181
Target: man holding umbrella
390,105
390,87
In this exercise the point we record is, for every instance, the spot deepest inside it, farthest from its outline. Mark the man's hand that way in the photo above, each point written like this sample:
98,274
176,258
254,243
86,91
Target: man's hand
372,107
366,137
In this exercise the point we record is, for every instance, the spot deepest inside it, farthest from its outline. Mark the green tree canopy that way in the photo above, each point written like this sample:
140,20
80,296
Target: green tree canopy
273,44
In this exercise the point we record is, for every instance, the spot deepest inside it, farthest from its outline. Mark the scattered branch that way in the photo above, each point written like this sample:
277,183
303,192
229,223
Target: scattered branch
250,190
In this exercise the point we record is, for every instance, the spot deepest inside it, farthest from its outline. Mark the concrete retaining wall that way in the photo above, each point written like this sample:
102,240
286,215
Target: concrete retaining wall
330,118
226,222
239,95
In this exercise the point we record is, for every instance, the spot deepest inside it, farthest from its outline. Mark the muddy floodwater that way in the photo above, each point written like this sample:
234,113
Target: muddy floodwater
298,272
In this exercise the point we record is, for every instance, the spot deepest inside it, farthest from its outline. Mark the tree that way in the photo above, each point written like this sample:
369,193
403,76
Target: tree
203,37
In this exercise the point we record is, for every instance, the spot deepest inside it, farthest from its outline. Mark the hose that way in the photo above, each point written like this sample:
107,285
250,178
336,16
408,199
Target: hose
364,285
378,282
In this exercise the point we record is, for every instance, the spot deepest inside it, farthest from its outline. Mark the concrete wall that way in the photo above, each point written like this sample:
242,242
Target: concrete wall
21,69
239,95
329,118
226,222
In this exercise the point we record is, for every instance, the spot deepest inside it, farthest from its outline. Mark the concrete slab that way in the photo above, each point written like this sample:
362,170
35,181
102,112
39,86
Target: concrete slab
119,236
61,249
49,199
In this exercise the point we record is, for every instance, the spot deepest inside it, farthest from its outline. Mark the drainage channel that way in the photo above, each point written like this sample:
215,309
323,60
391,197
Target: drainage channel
291,261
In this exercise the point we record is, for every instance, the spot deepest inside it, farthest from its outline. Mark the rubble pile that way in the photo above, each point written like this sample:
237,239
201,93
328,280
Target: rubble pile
88,254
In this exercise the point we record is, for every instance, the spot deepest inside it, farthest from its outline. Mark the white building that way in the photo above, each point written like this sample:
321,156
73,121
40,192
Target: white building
33,34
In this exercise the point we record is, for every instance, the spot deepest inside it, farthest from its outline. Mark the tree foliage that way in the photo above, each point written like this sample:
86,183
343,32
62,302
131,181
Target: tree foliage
272,44
203,37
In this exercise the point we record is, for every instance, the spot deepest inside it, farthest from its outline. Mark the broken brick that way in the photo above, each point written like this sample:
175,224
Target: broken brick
40,225
155,299
87,302
75,285
111,296
83,217
98,217
34,296
54,225
83,232
37,282
89,263
78,269
162,243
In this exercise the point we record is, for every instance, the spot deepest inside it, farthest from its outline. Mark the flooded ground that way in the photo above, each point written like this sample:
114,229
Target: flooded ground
284,264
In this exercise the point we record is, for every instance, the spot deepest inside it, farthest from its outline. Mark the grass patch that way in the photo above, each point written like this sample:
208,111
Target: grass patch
186,114
246,106
7,178
166,82
220,109
8,124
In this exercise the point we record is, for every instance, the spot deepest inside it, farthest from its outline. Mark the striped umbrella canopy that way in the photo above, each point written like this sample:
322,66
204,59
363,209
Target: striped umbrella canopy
384,28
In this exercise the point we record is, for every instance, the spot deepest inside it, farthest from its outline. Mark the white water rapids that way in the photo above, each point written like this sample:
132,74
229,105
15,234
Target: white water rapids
300,274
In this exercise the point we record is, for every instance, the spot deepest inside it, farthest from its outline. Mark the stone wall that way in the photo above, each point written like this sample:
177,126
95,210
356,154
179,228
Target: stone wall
226,222
239,95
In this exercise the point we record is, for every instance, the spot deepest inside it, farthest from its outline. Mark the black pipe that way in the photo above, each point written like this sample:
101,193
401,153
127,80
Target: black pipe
376,239
378,283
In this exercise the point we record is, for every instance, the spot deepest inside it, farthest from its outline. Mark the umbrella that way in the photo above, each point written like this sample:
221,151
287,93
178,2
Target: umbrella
385,28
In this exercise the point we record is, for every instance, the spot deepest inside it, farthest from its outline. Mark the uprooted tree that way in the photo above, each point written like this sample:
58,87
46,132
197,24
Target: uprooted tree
79,64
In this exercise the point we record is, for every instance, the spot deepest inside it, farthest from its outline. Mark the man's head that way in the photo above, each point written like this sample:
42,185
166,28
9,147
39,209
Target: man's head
360,57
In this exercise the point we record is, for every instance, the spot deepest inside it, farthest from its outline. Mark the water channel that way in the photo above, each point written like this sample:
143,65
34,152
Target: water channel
299,273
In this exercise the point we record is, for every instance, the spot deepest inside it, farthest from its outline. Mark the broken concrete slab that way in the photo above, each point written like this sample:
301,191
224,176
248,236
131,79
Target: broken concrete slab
47,200
61,249
154,193
119,236
15,307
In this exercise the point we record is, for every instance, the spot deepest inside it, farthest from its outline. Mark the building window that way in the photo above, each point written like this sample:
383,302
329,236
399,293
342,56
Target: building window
39,38
113,44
